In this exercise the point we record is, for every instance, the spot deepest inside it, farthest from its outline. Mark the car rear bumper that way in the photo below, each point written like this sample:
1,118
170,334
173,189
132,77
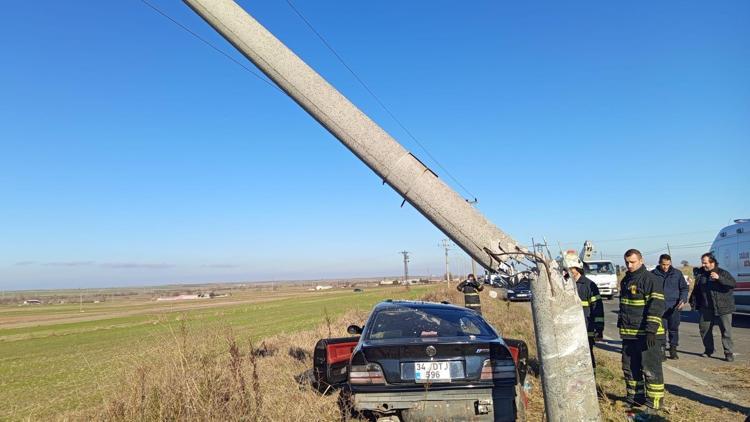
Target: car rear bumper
486,404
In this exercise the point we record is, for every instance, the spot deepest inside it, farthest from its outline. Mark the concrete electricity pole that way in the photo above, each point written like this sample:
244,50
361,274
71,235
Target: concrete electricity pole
567,375
406,266
446,245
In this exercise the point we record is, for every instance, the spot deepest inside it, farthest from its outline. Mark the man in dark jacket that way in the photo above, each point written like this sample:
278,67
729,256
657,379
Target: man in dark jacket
639,321
471,288
591,301
675,297
713,298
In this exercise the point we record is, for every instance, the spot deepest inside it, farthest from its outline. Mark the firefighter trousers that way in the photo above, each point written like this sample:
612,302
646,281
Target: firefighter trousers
471,301
591,349
641,366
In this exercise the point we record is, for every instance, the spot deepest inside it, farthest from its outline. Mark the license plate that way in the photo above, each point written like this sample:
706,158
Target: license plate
432,372
522,295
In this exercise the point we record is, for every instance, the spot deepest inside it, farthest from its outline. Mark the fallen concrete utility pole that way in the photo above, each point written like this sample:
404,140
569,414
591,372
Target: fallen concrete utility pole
567,376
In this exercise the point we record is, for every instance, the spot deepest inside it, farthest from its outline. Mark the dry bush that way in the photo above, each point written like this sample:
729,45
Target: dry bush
221,376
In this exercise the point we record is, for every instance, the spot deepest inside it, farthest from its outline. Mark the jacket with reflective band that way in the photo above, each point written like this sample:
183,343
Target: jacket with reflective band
593,309
641,304
471,290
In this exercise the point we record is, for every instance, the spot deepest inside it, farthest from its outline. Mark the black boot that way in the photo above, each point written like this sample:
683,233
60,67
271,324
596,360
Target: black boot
673,352
730,357
635,401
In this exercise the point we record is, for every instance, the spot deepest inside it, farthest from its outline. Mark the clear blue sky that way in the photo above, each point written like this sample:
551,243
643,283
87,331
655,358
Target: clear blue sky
131,153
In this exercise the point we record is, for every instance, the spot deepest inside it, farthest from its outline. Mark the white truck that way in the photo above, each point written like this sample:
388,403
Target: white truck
603,274
601,271
732,250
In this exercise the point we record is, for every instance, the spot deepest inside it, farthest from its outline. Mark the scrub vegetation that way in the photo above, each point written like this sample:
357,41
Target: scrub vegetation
238,362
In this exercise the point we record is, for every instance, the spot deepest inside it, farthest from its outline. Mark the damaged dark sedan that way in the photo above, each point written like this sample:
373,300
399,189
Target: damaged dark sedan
425,361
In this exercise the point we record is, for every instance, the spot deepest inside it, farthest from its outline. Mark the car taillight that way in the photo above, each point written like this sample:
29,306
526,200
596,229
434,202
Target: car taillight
501,369
371,373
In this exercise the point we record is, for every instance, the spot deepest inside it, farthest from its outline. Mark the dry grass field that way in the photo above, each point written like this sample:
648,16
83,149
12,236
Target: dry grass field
212,365
70,361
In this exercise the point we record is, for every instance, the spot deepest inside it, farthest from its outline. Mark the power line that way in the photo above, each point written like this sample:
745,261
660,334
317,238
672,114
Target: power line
692,245
665,249
377,99
208,43
656,236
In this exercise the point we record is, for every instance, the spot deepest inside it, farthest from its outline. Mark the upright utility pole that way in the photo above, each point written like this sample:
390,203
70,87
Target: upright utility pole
406,266
446,245
567,377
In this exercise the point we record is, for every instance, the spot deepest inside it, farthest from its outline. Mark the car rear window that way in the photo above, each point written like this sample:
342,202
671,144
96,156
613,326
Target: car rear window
405,322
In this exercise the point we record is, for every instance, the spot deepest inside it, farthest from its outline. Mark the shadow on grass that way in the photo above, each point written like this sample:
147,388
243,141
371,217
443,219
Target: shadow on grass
637,413
707,400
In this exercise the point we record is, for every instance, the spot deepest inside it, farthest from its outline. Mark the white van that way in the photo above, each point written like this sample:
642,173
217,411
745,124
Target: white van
603,274
732,249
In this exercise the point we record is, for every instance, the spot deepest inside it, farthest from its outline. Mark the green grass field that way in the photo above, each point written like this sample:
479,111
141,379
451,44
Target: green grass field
54,358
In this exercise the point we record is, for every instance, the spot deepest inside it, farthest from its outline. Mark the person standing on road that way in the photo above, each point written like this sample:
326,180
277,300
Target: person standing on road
675,297
713,298
639,321
591,301
471,288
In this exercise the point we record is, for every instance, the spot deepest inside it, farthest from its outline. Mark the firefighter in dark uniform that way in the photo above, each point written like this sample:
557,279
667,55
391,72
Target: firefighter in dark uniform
471,288
591,301
642,333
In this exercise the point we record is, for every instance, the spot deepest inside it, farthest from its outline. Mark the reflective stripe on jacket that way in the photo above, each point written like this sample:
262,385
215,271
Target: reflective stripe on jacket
641,304
471,290
593,308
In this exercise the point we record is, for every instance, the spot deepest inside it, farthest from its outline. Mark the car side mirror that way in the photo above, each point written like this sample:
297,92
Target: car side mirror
354,329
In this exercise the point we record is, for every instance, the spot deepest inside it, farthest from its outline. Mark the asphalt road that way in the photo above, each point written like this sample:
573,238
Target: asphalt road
709,380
